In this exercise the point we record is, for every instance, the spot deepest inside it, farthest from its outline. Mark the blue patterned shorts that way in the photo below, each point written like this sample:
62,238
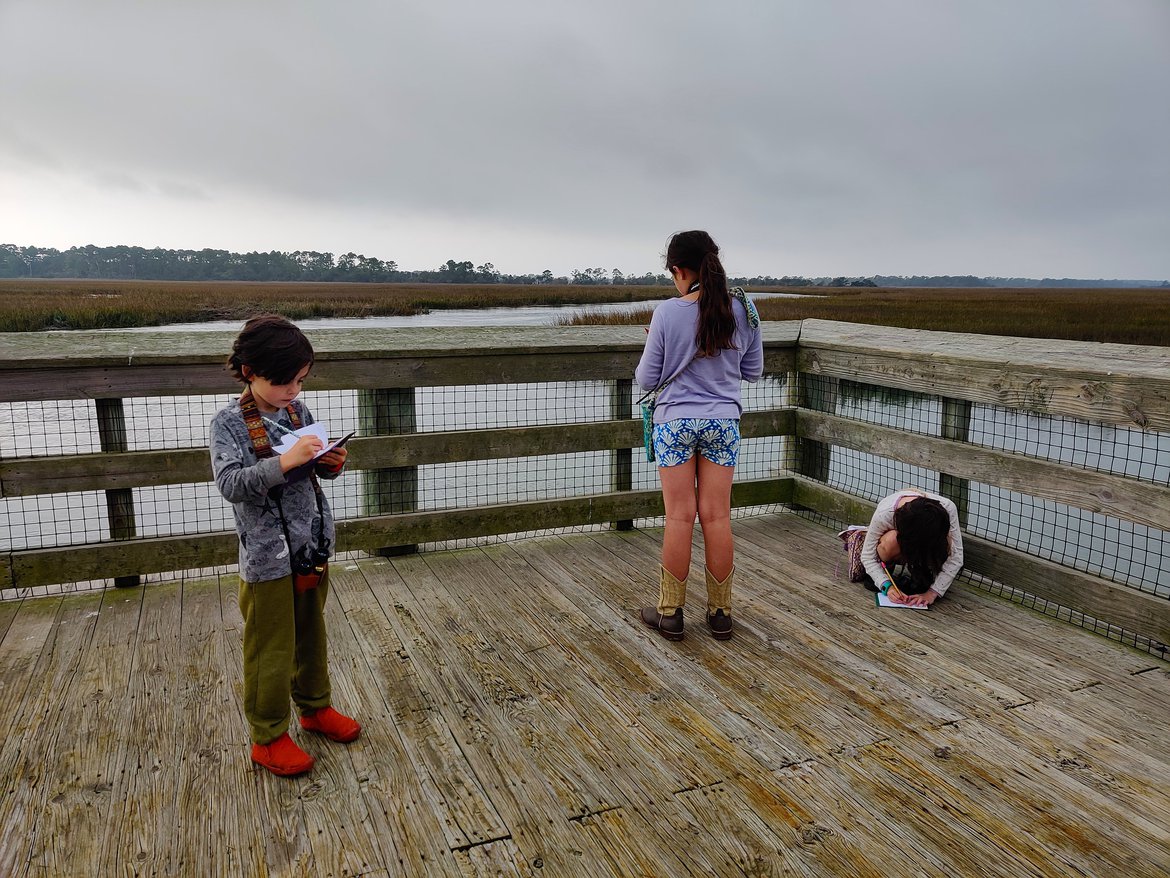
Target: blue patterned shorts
716,439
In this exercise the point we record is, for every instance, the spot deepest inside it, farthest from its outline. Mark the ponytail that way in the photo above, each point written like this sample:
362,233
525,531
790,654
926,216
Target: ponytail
716,320
698,252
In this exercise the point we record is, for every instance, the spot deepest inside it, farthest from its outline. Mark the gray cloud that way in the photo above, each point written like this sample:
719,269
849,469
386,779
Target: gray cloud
836,137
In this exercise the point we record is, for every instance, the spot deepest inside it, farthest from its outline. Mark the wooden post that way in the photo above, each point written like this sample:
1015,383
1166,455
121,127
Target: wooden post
621,402
393,489
111,418
956,425
819,393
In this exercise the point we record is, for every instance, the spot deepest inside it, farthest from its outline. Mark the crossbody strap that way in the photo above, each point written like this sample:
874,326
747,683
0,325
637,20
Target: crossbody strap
661,387
262,445
257,433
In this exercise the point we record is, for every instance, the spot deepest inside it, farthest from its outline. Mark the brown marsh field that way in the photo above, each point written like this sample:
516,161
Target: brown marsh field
1127,316
31,305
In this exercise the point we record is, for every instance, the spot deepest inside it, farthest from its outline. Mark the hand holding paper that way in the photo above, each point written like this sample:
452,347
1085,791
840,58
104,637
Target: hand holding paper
318,431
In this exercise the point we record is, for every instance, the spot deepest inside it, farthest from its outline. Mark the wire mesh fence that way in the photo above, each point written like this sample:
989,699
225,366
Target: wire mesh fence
1132,555
46,521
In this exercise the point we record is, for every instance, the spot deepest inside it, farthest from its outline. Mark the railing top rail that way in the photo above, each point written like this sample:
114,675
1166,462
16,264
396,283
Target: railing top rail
1127,385
1053,354
68,349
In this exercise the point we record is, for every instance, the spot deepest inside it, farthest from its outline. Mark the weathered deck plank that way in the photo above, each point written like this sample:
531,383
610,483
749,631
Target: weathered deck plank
279,837
525,798
1030,669
8,611
21,687
343,837
894,713
87,777
519,720
798,678
215,797
401,752
704,714
569,720
35,735
584,626
1066,664
140,838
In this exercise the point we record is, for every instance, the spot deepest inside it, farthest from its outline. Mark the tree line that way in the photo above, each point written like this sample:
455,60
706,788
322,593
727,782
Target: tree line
123,262
139,263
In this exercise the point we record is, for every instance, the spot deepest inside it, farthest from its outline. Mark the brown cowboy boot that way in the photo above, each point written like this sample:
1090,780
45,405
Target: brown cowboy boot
719,605
667,617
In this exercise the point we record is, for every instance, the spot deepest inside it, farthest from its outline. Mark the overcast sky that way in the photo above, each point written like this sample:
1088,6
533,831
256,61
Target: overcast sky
855,137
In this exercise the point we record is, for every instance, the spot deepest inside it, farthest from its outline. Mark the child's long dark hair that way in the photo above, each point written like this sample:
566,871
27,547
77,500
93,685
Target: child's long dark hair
923,527
696,251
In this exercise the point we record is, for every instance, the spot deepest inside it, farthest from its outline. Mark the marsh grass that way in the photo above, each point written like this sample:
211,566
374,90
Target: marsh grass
1126,316
34,305
1118,315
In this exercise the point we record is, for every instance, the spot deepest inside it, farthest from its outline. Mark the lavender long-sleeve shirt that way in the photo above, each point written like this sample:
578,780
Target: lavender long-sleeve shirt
708,387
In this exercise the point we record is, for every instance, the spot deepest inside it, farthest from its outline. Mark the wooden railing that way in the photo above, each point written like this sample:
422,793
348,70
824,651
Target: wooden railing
1117,385
1105,384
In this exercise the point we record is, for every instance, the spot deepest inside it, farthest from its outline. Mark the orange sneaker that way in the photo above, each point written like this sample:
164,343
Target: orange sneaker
333,725
282,757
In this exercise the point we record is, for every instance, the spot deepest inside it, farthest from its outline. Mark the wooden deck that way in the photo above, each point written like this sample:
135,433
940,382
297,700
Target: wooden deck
519,720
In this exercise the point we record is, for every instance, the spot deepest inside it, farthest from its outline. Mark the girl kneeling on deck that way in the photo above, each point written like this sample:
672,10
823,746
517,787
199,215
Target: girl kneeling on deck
916,529
698,348
286,533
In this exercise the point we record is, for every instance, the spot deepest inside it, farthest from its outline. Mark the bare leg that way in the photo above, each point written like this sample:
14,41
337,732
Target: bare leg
715,516
678,495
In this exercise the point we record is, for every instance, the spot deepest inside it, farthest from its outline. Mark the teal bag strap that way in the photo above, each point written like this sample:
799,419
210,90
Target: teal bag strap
753,315
648,401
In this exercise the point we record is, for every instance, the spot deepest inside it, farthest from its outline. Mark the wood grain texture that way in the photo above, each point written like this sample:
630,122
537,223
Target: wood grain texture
156,554
1117,496
422,793
1120,605
91,365
34,350
520,720
85,780
1127,385
35,737
140,837
82,472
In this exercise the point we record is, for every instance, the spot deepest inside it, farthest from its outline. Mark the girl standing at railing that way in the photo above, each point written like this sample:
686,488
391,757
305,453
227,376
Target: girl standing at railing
698,348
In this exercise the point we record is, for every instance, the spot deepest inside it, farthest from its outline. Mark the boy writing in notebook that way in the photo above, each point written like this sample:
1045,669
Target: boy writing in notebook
286,534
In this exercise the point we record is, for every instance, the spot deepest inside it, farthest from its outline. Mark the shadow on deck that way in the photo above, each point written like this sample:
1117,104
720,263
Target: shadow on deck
519,720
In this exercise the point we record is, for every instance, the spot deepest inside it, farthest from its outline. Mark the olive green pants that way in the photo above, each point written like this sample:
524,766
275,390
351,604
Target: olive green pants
285,653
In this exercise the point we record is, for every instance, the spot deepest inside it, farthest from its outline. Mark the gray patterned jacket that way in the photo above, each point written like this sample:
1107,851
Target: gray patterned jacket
253,487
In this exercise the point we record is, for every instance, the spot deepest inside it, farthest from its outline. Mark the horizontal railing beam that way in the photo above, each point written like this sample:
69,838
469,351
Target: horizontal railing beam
95,365
29,567
1118,605
1117,496
87,472
1126,385
366,374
